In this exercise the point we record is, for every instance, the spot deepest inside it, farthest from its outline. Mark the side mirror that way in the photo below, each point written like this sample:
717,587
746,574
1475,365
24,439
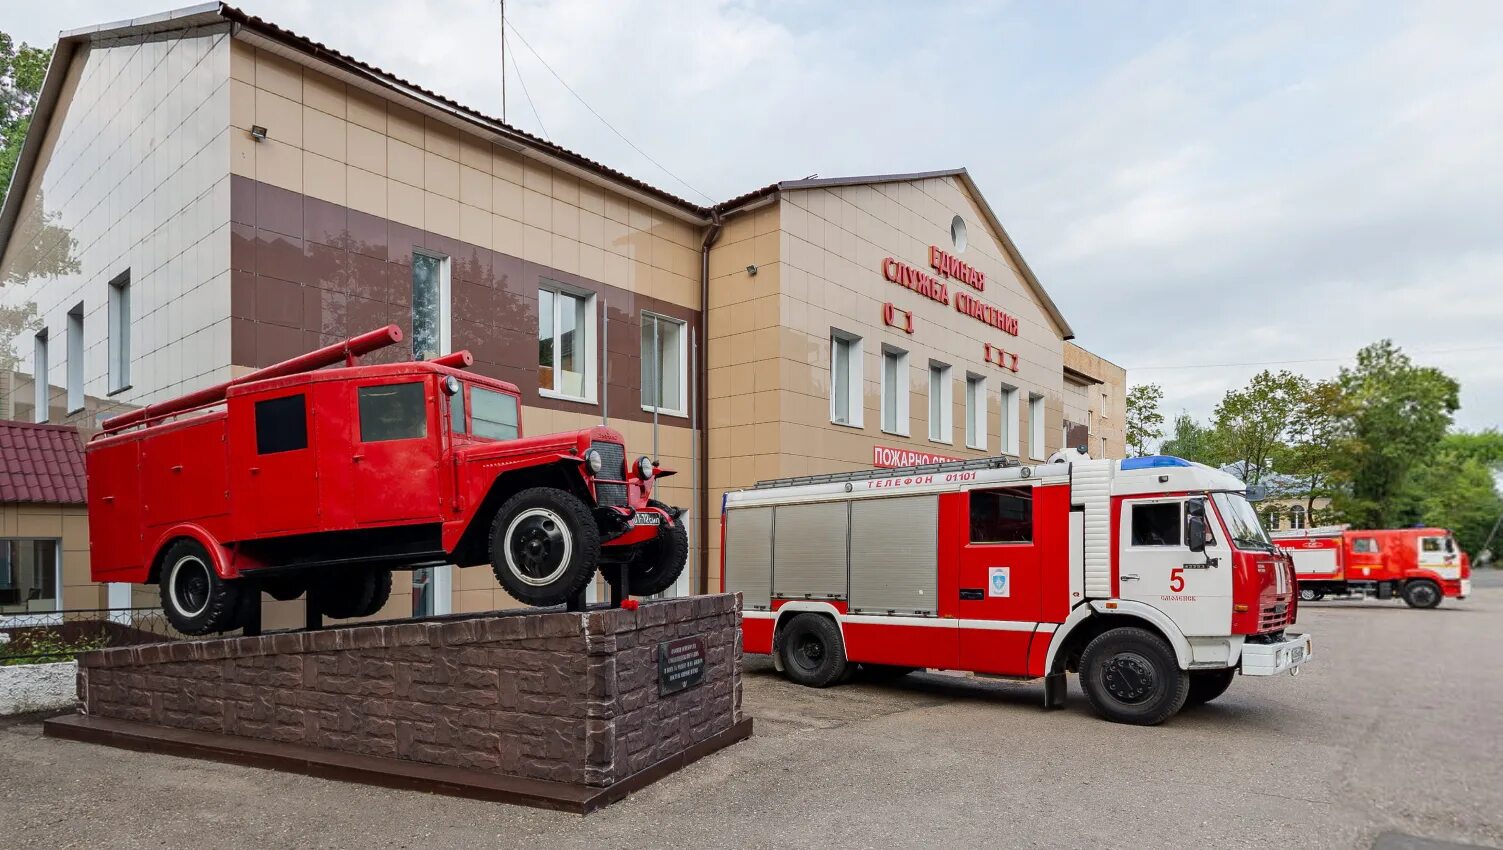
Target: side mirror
1195,532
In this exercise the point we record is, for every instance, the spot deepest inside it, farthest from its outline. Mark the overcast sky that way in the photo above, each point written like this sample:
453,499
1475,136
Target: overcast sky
1195,183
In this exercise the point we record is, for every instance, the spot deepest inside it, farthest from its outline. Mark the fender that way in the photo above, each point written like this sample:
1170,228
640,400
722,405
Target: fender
223,564
798,607
1171,632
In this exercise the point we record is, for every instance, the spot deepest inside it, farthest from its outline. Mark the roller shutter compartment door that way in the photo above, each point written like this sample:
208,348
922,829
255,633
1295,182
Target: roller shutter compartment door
895,555
809,551
748,556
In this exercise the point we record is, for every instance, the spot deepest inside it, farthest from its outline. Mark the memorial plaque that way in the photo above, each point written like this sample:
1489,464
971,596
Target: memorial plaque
681,664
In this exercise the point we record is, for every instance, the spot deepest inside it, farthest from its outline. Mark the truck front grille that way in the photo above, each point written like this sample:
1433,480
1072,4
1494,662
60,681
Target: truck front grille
607,492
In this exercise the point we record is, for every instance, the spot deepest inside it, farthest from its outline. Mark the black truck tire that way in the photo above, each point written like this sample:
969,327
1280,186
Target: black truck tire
812,651
1421,593
350,593
544,546
658,564
195,599
1206,685
1130,675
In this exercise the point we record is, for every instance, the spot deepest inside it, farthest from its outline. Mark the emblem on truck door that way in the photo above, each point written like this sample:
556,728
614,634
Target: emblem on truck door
999,581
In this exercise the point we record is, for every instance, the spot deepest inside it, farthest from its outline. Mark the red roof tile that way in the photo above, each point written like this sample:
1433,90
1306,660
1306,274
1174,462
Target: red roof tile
41,463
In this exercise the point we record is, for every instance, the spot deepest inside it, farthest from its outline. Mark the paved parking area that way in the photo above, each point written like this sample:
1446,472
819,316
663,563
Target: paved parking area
1393,738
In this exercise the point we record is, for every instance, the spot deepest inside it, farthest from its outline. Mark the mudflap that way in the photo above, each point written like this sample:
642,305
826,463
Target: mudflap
1054,691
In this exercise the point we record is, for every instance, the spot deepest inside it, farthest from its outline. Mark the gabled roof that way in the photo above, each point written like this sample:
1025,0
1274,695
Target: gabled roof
41,464
960,174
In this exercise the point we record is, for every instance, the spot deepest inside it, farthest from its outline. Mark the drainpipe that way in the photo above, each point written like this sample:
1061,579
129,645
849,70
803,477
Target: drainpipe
702,418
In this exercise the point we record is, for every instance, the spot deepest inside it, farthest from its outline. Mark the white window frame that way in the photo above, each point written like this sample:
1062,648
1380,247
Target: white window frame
1008,436
683,365
75,355
975,411
41,384
118,333
853,382
941,428
445,304
1035,426
40,618
899,397
592,353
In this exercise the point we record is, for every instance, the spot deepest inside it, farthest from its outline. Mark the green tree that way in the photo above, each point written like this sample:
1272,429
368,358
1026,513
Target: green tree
1251,423
1194,441
1144,423
1314,437
1396,416
22,70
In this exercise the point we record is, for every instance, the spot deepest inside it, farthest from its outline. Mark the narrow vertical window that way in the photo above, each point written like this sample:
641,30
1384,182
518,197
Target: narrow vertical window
1010,425
1035,426
119,333
845,379
42,389
941,404
895,391
975,411
664,365
430,305
566,343
75,359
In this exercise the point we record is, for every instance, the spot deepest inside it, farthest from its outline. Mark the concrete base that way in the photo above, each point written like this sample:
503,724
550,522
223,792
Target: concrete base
566,710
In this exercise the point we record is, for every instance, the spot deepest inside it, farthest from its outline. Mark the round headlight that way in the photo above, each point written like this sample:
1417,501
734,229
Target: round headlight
644,467
451,385
595,461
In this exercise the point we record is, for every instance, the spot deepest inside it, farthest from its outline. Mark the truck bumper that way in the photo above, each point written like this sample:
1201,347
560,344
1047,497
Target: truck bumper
1466,588
1268,659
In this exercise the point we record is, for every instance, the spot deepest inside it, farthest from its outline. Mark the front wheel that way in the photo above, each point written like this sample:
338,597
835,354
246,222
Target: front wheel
544,546
194,597
812,651
1206,685
658,564
1421,594
1130,675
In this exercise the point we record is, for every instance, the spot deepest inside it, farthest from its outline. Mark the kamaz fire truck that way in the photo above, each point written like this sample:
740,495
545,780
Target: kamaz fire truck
1149,577
301,479
1419,565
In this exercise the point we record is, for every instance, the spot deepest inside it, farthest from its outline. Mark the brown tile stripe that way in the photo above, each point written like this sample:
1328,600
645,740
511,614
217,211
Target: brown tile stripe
306,273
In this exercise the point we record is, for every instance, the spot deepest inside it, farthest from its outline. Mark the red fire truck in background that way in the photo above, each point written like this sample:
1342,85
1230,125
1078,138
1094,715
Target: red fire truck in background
1420,565
298,479
1150,577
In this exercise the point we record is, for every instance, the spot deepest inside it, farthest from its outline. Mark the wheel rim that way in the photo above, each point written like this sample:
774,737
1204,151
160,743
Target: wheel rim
808,651
539,547
188,585
1129,678
1307,595
1423,595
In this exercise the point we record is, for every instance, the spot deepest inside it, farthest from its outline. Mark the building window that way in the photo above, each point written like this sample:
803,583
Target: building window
1106,404
1009,432
1035,426
75,359
895,391
665,365
1002,516
957,234
393,412
845,379
119,333
941,404
1297,516
1156,524
281,424
430,305
42,389
566,343
975,411
28,576
1272,519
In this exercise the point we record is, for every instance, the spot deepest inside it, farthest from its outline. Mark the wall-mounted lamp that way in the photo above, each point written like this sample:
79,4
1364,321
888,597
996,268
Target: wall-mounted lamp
751,270
258,133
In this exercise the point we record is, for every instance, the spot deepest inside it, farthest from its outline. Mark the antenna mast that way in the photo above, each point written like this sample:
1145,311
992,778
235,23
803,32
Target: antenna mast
503,61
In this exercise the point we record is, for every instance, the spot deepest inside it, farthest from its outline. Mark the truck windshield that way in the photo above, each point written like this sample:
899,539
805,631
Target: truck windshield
1241,521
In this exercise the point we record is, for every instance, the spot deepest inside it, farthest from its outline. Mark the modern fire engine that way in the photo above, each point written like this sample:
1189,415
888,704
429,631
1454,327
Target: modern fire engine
299,479
1150,577
1420,565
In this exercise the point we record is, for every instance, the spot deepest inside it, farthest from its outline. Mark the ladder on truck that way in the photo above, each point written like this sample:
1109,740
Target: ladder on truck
867,474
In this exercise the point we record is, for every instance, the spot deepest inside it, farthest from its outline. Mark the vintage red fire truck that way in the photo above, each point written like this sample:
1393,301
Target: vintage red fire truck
301,479
1150,577
1419,565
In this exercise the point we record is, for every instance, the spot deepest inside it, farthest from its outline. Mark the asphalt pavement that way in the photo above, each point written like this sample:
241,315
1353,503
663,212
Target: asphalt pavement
1391,738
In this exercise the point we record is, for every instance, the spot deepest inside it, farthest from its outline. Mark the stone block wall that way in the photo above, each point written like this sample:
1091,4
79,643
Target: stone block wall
567,697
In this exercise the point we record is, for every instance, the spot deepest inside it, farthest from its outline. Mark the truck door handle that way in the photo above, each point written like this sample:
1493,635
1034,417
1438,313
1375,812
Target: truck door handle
176,470
255,470
1130,577
357,458
972,593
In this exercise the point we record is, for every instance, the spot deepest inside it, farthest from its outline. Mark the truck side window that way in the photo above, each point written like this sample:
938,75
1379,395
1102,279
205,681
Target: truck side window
1430,544
456,412
1156,524
281,424
1002,516
1365,546
494,415
393,412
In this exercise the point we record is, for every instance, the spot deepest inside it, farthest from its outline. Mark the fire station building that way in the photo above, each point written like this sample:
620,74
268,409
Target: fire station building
203,193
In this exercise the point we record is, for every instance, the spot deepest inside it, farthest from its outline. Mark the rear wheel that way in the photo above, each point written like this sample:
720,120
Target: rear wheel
1421,594
812,651
357,593
1206,685
196,600
544,546
658,564
1130,675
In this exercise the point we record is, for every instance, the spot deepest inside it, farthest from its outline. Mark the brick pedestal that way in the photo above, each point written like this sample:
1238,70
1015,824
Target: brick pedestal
557,709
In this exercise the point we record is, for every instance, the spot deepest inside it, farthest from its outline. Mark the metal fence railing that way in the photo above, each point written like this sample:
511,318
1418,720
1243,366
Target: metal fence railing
41,637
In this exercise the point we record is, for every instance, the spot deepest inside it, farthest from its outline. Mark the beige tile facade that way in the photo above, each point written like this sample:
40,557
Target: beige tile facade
1099,387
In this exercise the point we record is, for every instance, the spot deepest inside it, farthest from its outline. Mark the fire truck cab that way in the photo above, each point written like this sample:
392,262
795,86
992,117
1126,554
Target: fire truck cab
298,479
1420,565
1149,577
